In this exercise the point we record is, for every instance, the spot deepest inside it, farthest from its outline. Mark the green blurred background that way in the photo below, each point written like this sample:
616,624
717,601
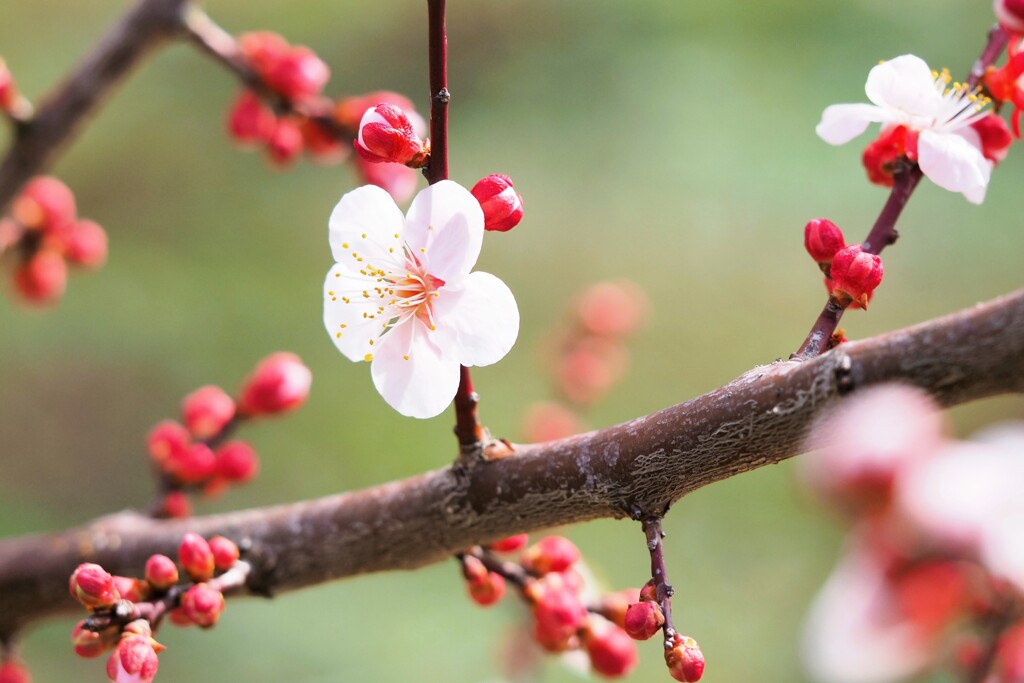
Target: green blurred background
665,141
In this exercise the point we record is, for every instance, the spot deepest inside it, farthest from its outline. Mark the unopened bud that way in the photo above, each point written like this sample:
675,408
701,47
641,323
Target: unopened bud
612,309
195,557
166,439
1010,14
8,90
85,244
501,204
88,644
298,73
45,204
203,605
386,134
43,278
236,462
249,120
12,671
206,411
92,586
321,143
175,505
685,660
547,421
643,620
225,552
134,660
995,136
822,239
161,572
881,155
399,181
855,275
558,615
612,653
551,554
132,589
615,605
263,50
510,544
487,589
192,465
285,142
279,382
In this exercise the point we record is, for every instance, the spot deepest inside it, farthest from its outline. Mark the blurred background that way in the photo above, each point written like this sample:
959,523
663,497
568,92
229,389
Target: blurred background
666,142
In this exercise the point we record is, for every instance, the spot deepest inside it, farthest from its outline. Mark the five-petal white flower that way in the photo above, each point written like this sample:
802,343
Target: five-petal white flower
906,92
402,295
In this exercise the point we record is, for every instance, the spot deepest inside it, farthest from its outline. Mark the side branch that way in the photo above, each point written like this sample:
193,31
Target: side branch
638,468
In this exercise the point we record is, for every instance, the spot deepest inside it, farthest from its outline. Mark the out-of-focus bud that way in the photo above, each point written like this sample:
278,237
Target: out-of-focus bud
1009,664
194,464
12,671
615,605
386,134
590,367
175,505
161,572
166,439
279,382
548,421
558,615
285,143
321,143
643,620
501,204
132,589
298,73
486,590
994,137
249,120
611,652
45,204
206,411
8,90
399,181
510,544
88,644
134,660
85,244
203,605
855,275
822,239
225,552
43,278
893,143
932,595
612,309
195,557
263,50
92,586
685,660
649,592
550,554
1010,14
236,462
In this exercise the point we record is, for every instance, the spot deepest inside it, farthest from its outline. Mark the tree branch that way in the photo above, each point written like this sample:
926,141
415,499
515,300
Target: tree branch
638,468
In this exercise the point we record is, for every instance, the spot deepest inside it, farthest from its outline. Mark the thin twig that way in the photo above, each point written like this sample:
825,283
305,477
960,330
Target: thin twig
662,588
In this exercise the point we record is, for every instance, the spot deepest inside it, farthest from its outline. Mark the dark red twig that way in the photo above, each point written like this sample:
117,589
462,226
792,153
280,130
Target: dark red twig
663,589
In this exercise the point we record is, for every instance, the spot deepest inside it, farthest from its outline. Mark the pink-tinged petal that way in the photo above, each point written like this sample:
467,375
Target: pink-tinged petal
954,164
841,123
446,230
344,309
480,320
365,223
412,373
904,83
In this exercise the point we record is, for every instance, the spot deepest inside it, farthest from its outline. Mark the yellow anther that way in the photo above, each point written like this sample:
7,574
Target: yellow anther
364,235
338,335
371,342
368,357
405,357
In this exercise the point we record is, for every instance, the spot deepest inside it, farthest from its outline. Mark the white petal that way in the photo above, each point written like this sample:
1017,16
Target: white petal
479,321
446,230
954,164
365,222
350,330
906,84
421,386
841,123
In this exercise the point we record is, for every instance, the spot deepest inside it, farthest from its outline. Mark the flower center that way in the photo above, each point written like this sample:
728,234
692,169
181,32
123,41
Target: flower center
962,104
412,292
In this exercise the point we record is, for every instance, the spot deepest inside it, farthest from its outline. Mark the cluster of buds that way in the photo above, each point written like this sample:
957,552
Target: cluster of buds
124,610
1005,84
196,453
589,356
46,235
935,562
851,274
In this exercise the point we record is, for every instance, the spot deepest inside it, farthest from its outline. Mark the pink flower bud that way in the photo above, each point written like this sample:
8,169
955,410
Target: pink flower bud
558,615
85,244
12,671
1010,14
195,557
134,660
551,554
855,274
236,462
612,309
206,411
92,586
161,572
822,239
194,464
165,440
280,382
643,620
175,505
298,73
349,111
203,605
249,120
285,142
180,619
386,135
225,552
615,605
501,204
8,90
263,50
510,544
893,143
685,660
45,204
487,589
89,644
43,278
548,421
132,589
612,653
994,136
590,367
1009,664
322,144
399,181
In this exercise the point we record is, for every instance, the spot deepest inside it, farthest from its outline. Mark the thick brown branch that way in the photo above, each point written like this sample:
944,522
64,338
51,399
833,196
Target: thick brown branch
638,468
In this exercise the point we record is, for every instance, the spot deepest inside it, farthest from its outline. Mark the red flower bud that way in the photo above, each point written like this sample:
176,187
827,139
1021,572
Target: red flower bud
615,605
206,411
132,589
548,421
321,143
134,660
611,652
249,120
236,462
89,644
649,592
510,544
92,586
994,136
501,204
297,73
161,572
386,135
855,275
558,615
85,244
551,554
487,589
285,142
8,90
822,239
643,620
45,204
225,552
175,505
203,605
1010,14
194,464
280,382
263,50
612,309
880,155
195,557
43,278
12,671
165,440
685,660
349,111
